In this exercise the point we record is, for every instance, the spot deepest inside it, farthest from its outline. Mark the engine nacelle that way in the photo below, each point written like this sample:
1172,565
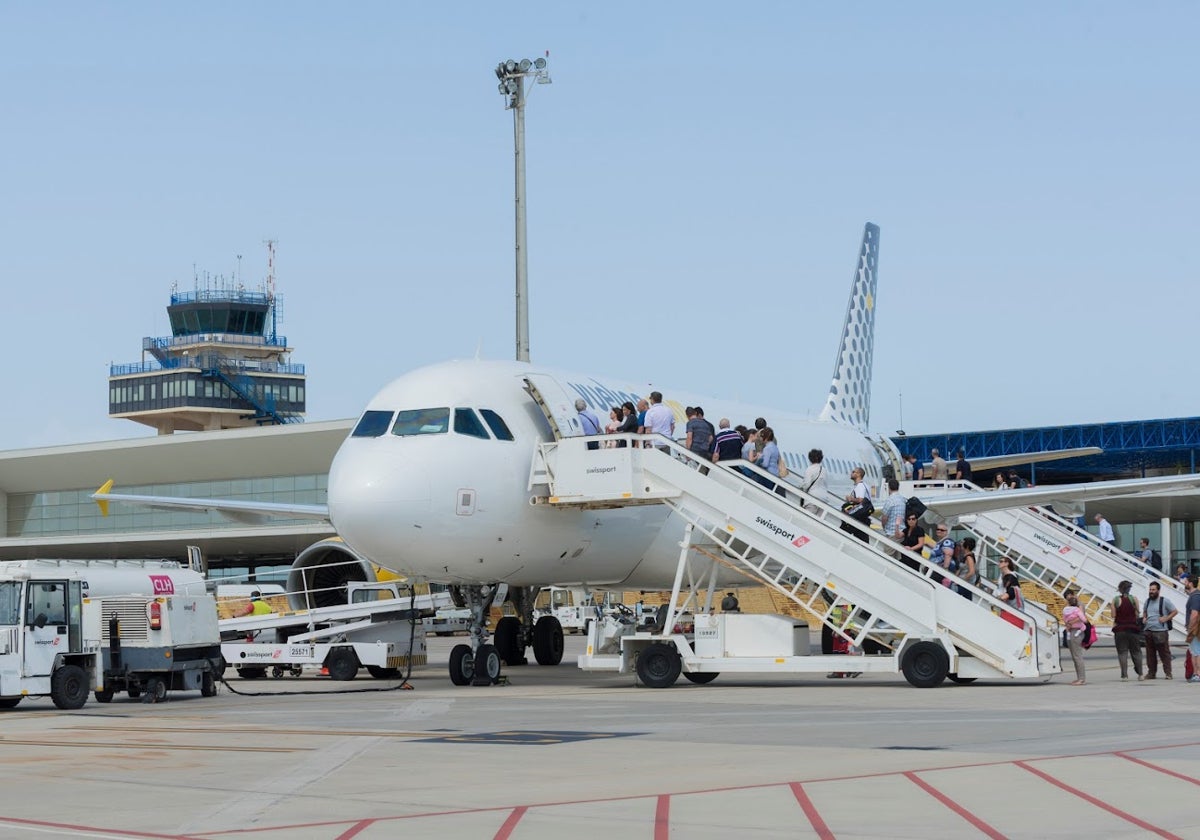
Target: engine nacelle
320,573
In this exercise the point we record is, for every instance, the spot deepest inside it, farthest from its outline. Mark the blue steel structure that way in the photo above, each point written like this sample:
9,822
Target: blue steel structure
1131,449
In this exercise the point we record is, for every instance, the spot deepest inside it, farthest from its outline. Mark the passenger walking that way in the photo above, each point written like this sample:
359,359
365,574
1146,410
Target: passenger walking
941,470
999,483
914,540
1192,617
629,422
858,506
1076,623
1126,631
814,483
1011,593
1157,615
728,443
769,459
891,512
1105,530
962,468
588,421
967,568
660,420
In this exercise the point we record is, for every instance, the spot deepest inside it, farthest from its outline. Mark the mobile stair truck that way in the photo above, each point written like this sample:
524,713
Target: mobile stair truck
868,591
70,627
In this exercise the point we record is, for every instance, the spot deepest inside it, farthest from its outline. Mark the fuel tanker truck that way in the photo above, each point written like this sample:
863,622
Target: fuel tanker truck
71,627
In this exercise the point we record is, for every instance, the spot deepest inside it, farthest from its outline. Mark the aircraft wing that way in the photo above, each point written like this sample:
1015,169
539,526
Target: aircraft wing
251,513
1063,496
1016,459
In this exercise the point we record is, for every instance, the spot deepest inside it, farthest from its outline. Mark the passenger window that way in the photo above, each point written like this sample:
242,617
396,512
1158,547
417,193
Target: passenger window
466,422
372,424
496,424
422,421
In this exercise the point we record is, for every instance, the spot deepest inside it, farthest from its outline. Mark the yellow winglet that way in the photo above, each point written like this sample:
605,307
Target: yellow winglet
103,491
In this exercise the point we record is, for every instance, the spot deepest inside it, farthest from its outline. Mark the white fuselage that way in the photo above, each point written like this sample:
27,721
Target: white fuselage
447,506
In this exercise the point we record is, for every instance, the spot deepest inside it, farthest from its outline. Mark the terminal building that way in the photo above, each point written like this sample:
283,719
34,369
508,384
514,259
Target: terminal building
224,376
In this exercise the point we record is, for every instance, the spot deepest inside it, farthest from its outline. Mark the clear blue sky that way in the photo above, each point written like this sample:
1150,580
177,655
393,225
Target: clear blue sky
698,179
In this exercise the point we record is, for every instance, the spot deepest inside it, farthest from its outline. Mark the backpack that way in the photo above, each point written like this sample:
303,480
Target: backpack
914,507
1156,559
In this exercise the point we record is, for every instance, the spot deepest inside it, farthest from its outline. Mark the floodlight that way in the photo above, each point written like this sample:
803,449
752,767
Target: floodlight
525,65
539,63
503,87
500,70
512,85
510,66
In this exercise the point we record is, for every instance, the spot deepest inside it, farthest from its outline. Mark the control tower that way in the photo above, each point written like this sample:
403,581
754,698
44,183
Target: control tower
224,366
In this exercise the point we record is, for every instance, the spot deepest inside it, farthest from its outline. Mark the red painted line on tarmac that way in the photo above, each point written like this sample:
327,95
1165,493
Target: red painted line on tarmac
355,830
510,824
1099,803
1185,778
662,818
954,806
810,811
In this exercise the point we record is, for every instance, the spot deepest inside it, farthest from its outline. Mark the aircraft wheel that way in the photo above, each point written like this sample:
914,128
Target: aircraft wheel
487,665
462,665
548,641
69,687
9,702
380,673
955,678
658,666
701,679
508,641
104,695
925,664
342,664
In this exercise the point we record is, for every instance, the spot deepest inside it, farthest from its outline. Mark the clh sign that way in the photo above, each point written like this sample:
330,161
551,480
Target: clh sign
163,585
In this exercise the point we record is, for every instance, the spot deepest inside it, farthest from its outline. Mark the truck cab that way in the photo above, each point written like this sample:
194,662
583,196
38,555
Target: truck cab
42,649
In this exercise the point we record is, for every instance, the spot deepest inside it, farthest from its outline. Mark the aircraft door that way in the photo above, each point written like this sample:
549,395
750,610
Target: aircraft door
46,626
556,403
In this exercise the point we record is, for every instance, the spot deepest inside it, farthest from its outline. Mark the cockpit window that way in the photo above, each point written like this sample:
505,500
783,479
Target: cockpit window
466,422
372,424
422,421
496,424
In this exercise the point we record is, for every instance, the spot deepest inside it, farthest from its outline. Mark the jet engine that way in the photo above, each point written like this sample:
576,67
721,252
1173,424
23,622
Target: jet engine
319,575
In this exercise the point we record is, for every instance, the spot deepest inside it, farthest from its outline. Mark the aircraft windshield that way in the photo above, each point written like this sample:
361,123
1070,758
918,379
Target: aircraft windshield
372,424
496,424
422,421
10,603
466,422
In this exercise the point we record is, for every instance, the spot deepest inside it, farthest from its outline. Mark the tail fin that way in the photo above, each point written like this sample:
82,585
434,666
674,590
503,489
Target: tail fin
849,399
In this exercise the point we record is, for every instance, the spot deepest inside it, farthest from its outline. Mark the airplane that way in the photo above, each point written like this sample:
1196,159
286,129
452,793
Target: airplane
433,483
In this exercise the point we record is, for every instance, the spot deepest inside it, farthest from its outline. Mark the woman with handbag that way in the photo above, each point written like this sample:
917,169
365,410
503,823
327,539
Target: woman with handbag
1075,622
1127,630
1012,595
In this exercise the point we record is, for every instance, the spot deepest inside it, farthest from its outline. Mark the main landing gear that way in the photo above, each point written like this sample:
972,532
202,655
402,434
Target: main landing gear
479,662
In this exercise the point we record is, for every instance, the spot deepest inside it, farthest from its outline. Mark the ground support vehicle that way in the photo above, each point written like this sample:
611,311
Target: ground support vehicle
152,645
53,628
383,635
867,592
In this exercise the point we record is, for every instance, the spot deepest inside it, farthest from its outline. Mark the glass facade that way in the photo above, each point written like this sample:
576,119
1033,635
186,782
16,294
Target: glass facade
72,512
192,390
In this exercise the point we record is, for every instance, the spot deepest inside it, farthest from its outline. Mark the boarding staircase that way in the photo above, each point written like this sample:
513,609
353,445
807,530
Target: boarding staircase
1057,554
796,545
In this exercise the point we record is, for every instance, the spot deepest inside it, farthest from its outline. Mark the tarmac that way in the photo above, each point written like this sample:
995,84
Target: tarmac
561,753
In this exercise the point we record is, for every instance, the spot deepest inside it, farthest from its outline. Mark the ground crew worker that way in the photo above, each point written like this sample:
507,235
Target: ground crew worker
257,606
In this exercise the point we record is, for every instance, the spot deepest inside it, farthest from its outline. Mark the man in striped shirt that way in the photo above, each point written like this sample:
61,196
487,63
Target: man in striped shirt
729,443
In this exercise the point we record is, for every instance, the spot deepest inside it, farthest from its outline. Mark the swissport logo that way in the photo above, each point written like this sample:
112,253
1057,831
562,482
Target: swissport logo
163,585
800,541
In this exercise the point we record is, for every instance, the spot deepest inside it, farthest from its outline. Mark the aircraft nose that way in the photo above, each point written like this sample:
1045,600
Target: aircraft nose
377,489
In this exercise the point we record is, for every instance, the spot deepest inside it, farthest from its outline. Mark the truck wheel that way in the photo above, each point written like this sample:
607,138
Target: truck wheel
69,687
925,664
701,679
462,665
508,641
342,664
156,690
9,702
104,695
487,665
134,692
548,641
208,685
381,673
658,666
